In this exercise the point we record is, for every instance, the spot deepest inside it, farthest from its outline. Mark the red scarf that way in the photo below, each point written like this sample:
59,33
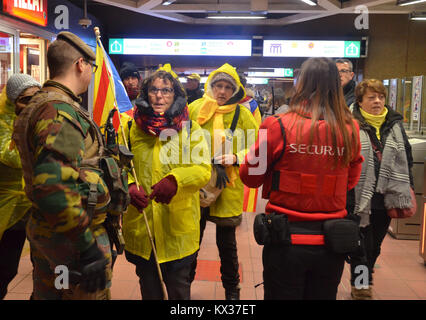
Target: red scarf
155,123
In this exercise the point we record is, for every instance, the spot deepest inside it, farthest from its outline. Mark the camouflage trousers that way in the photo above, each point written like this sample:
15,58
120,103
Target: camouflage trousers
51,254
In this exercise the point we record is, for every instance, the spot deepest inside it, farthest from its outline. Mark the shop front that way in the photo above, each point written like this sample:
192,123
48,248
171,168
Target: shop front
26,29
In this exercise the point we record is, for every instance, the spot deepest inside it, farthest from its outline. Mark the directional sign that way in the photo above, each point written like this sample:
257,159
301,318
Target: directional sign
181,47
311,48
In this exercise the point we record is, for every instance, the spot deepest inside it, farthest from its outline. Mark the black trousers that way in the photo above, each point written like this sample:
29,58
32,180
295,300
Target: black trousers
227,245
373,236
301,272
175,275
11,245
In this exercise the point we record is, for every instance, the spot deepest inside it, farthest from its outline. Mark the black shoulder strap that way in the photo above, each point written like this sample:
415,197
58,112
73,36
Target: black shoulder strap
235,119
129,126
284,140
276,174
189,127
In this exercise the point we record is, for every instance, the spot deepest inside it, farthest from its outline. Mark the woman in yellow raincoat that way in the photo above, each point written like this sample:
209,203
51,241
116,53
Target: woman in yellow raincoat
215,112
172,163
13,202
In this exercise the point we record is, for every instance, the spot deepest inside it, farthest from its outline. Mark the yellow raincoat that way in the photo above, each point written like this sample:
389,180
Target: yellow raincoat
174,226
230,202
13,202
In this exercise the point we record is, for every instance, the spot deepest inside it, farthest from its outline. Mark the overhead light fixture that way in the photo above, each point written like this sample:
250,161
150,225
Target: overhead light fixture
418,16
310,2
408,2
167,2
230,16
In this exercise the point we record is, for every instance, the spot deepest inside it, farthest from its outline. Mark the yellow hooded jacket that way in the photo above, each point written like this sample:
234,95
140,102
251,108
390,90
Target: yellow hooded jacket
174,226
230,202
13,202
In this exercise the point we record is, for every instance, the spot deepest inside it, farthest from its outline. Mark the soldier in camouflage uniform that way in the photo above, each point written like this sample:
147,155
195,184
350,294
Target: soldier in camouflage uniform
60,148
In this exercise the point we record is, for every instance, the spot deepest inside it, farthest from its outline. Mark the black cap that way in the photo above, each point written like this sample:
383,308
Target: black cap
128,69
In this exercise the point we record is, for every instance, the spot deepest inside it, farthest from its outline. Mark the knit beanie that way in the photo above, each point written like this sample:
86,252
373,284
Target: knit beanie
18,83
222,76
128,69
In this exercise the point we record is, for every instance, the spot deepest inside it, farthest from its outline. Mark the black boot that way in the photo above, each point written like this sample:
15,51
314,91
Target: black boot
233,293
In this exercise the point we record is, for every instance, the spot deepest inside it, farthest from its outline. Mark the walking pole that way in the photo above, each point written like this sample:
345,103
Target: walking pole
151,239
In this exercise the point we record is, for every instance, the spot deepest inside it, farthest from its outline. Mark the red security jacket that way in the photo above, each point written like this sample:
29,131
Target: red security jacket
302,183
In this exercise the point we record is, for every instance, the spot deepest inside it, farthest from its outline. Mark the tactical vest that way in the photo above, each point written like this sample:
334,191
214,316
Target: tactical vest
95,159
302,184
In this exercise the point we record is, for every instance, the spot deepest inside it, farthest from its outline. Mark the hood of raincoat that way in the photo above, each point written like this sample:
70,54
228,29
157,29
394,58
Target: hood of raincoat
239,93
13,202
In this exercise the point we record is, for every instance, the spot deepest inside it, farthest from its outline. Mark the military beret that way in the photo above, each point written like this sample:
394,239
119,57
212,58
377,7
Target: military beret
77,43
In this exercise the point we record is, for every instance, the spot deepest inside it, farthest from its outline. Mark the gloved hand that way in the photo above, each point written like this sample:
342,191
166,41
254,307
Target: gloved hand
138,198
164,190
222,177
91,274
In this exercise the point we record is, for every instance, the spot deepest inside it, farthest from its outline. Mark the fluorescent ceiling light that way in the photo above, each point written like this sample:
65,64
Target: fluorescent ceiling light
234,16
310,2
168,2
408,2
418,16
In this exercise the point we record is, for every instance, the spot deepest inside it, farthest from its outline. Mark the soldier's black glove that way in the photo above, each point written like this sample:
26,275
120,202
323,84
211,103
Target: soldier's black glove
92,275
222,177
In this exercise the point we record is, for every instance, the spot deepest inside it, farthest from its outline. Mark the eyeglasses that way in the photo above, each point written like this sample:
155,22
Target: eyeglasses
24,99
164,91
344,71
221,86
95,66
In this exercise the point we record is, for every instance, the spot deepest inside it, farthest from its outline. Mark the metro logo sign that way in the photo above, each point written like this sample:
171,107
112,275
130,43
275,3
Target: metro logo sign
311,48
34,11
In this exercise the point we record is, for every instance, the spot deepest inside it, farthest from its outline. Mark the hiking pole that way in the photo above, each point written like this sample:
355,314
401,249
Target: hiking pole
151,239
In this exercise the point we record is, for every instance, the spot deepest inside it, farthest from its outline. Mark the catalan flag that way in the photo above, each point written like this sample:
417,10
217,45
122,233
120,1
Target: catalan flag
109,91
250,199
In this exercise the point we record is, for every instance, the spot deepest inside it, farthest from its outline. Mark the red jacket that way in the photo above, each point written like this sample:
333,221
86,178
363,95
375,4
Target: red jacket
302,183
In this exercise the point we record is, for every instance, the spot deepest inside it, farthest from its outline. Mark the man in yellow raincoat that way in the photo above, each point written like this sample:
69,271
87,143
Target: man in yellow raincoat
215,112
172,162
13,203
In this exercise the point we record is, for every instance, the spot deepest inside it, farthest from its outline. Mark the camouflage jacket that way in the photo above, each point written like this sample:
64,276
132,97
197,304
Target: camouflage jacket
61,140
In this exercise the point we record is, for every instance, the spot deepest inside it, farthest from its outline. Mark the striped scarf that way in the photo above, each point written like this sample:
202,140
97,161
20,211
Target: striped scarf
393,180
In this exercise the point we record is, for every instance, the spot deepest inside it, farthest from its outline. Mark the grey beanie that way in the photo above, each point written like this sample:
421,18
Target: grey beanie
222,76
18,83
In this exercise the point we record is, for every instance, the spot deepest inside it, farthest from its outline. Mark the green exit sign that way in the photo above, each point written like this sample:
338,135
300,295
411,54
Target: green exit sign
288,72
116,46
352,49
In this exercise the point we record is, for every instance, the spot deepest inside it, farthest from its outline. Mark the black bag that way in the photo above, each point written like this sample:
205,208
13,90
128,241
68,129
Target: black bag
342,236
261,229
271,229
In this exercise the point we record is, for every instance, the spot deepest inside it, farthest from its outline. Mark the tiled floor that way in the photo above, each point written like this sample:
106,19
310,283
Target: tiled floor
400,273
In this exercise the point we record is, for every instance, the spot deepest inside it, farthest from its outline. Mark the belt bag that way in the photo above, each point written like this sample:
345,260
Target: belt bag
271,229
341,235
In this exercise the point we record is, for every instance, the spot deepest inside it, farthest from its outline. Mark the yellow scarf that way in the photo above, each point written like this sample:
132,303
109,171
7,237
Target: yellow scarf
375,121
210,109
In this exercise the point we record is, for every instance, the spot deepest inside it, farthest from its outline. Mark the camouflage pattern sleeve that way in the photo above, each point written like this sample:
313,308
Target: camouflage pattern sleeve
58,138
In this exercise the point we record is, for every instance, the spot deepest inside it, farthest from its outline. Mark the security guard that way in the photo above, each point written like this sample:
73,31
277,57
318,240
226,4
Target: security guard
60,149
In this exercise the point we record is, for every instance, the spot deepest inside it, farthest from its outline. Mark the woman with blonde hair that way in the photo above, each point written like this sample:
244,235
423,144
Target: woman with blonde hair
386,176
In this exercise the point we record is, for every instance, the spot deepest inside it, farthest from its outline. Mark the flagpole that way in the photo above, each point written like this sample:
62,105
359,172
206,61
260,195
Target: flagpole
151,239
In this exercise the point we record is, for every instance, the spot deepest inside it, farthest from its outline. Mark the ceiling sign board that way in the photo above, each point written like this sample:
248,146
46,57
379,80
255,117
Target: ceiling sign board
275,72
181,47
34,11
314,48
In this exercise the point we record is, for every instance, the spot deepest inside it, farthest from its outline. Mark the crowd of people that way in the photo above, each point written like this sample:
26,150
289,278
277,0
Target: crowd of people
331,161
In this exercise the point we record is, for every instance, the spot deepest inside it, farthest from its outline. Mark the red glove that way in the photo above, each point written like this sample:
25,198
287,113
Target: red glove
138,198
164,190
